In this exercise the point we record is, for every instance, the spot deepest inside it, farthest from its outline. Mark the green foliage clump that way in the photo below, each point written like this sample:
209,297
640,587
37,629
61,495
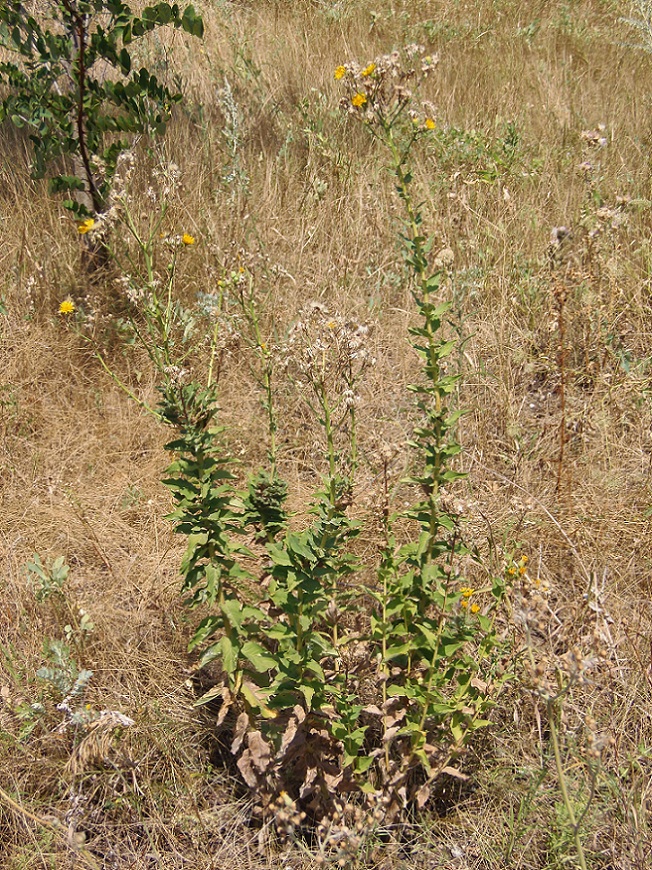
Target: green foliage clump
74,89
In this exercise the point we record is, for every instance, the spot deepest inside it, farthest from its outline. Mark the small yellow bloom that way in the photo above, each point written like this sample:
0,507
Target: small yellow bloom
466,591
464,603
67,306
475,608
86,226
187,239
331,324
340,72
358,100
368,70
430,124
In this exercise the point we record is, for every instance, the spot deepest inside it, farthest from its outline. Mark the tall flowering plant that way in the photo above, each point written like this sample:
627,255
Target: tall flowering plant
333,677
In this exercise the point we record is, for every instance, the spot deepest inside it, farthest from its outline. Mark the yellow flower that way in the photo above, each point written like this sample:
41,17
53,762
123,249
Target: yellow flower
475,608
86,226
67,307
340,72
466,591
464,603
358,100
187,239
430,124
368,70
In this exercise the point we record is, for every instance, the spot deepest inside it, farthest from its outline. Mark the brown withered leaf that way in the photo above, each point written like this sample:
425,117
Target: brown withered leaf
395,718
453,771
308,782
292,737
372,710
227,703
246,769
422,795
397,777
390,733
394,711
333,782
479,684
260,750
239,732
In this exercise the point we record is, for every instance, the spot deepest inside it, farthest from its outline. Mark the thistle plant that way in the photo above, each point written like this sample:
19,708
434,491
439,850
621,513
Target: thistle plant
553,680
436,646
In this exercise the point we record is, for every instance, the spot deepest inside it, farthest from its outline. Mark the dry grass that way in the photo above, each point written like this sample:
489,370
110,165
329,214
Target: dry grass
312,209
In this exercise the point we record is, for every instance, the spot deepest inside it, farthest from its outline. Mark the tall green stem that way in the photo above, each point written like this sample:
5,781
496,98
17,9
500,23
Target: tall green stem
562,784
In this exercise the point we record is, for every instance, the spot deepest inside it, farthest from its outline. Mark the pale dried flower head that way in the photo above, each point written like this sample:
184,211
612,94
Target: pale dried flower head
379,91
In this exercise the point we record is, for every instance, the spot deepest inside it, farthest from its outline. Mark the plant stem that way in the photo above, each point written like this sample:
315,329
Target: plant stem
575,825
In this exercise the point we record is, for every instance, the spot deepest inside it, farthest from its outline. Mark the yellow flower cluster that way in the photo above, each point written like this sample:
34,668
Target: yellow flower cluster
368,70
340,72
86,226
519,568
358,100
467,592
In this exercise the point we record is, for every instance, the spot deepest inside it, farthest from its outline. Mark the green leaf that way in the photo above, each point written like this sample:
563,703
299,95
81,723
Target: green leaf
457,731
316,669
258,657
401,649
206,628
124,59
450,646
308,693
192,23
232,608
229,653
297,545
429,635
256,697
279,555
213,652
479,723
362,764
210,695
